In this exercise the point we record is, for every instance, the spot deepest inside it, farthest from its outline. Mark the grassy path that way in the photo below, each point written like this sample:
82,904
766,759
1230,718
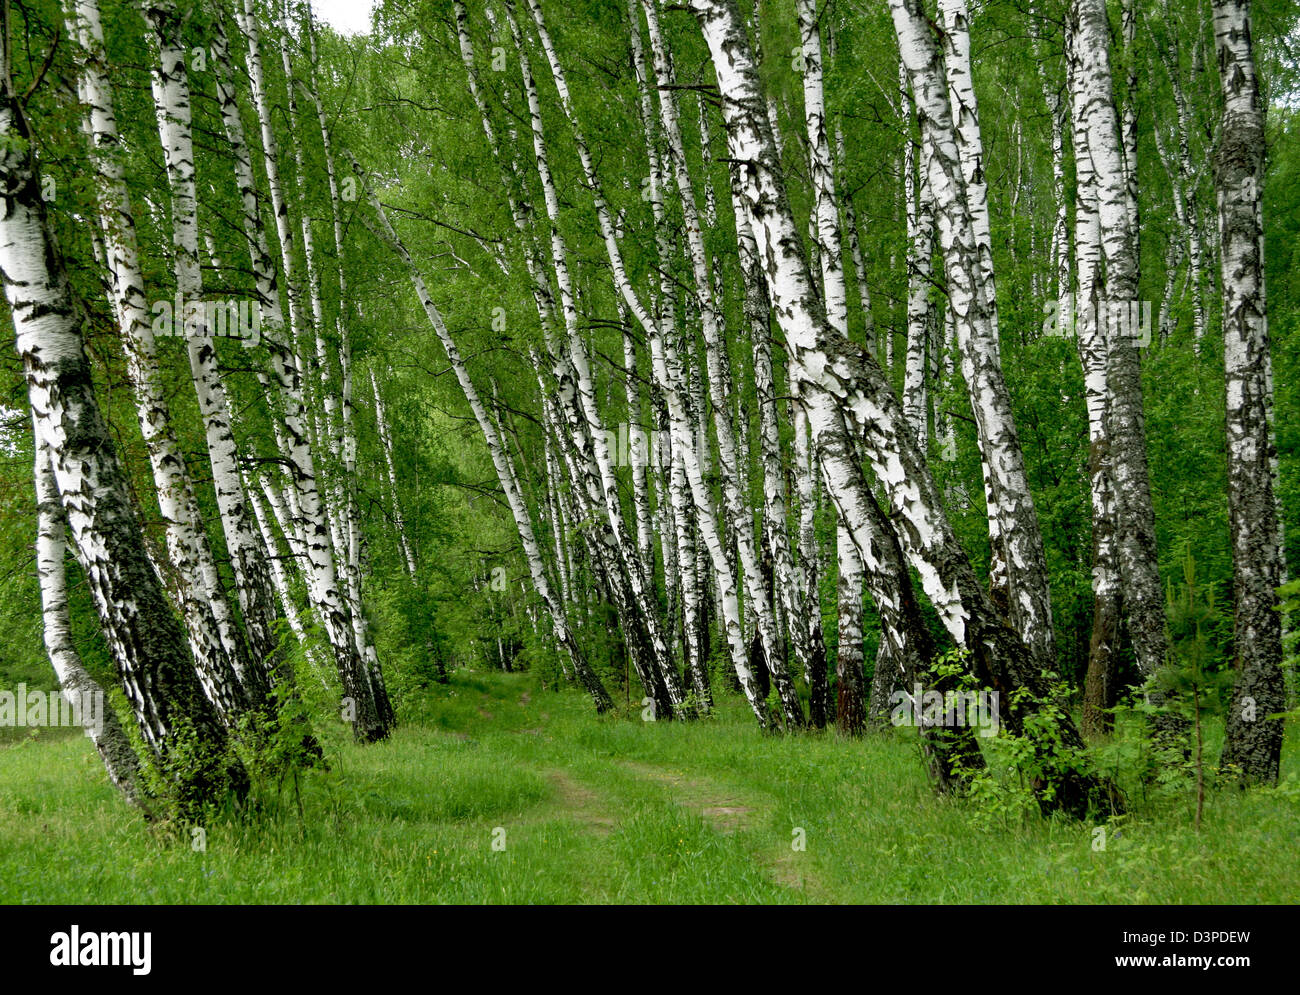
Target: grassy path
492,791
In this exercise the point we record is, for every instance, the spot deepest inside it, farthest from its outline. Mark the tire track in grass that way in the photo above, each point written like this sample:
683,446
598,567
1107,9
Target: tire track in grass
729,812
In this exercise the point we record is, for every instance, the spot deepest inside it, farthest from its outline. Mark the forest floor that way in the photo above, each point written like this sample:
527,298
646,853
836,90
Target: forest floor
492,790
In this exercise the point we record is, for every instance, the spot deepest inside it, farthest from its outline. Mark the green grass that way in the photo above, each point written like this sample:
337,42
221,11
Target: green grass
617,810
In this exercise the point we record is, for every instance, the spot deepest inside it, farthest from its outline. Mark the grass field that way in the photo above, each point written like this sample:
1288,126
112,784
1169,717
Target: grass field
583,809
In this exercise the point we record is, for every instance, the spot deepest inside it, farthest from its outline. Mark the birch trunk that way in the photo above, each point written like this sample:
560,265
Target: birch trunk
386,443
328,430
247,557
373,711
1253,738
639,458
842,379
1187,180
920,253
217,645
79,689
1057,108
737,519
855,251
810,612
954,166
340,417
630,577
1129,125
805,634
1144,601
850,707
1100,682
280,579
686,442
687,575
147,643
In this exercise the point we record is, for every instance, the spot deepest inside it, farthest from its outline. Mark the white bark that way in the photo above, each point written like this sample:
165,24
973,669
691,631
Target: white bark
386,444
953,165
1253,737
1097,123
143,636
247,557
217,645
374,716
79,689
738,520
688,445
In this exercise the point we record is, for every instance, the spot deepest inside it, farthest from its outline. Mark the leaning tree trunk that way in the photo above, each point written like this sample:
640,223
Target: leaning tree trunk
954,165
247,556
843,380
687,440
373,713
803,628
683,579
575,442
829,242
1253,738
347,512
220,656
386,444
737,518
630,578
146,641
78,687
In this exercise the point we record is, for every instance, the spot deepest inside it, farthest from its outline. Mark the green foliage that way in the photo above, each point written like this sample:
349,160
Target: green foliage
444,634
1024,769
1197,677
1163,747
192,783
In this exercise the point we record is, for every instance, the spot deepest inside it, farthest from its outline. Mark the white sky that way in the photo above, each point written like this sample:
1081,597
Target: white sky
347,17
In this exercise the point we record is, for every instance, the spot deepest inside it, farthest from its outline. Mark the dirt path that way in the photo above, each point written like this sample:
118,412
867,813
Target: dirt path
720,806
581,803
725,808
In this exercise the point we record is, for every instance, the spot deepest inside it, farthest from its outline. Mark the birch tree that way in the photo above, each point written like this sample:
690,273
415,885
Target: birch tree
953,166
145,638
843,379
1253,737
82,692
248,558
368,704
1088,43
217,644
